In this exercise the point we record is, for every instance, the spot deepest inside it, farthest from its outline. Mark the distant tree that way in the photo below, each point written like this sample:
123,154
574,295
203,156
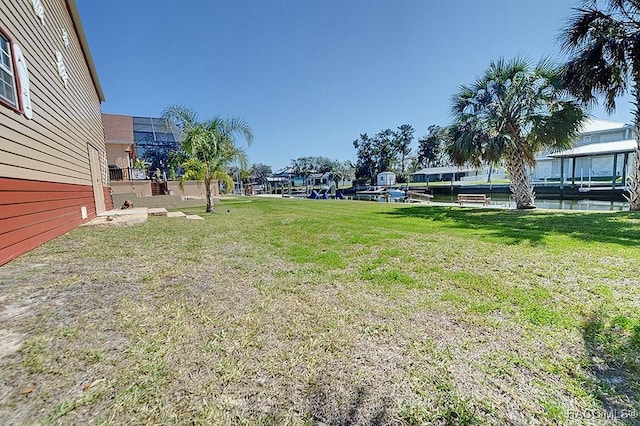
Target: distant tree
413,166
305,166
239,173
302,166
366,164
432,147
512,112
323,164
384,150
347,170
402,146
260,172
603,40
338,172
225,181
211,143
311,164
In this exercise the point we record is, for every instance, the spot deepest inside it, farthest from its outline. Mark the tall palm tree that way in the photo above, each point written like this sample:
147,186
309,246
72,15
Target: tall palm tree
402,143
512,112
210,143
603,41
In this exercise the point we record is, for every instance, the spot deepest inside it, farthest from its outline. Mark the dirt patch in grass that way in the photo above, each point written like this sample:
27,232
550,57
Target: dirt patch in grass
10,342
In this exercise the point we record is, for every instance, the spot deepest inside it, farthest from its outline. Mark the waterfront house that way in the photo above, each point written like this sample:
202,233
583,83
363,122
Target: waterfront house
603,155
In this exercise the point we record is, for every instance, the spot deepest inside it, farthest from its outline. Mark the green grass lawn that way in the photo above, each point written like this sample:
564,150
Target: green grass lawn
277,311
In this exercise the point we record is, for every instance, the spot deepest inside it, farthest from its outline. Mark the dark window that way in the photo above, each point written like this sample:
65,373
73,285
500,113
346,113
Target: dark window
8,92
143,137
154,140
142,124
165,137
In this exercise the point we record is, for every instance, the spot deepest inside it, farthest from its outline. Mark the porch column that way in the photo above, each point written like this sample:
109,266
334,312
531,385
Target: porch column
573,171
615,167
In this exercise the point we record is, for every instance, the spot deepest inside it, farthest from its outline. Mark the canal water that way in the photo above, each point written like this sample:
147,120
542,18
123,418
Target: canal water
550,204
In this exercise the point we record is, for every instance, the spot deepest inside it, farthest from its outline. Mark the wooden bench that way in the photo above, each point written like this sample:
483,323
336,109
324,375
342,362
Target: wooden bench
474,198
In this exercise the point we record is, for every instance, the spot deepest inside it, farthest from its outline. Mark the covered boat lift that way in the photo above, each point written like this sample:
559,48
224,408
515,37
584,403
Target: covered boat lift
598,150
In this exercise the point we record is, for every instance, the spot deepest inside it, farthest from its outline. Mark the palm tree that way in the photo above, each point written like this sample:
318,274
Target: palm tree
212,143
603,44
402,144
513,112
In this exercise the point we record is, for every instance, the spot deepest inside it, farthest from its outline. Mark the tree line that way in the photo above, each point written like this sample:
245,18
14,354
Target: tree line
390,151
337,171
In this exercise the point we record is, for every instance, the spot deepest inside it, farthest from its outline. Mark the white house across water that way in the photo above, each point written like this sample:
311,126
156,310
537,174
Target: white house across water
603,155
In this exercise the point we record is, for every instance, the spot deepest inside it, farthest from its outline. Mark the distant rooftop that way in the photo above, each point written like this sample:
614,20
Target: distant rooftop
444,170
593,125
285,171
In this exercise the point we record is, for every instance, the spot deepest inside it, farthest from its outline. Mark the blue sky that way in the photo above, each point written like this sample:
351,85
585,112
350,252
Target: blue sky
311,75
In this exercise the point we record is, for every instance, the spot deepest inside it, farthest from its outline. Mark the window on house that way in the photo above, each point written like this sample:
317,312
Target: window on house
8,92
609,137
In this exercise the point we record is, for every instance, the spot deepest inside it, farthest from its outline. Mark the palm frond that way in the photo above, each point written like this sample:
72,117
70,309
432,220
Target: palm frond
513,107
579,27
180,116
601,40
238,126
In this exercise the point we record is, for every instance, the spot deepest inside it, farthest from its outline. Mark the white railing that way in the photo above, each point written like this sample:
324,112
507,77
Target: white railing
482,178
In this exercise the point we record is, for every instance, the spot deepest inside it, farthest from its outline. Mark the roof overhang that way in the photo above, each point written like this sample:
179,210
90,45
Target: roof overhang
445,170
598,125
84,45
597,149
118,142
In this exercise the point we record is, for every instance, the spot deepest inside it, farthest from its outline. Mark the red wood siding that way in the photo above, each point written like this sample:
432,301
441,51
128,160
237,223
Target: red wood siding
32,213
108,199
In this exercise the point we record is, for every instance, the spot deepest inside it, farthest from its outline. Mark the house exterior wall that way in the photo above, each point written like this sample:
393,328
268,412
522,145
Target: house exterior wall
118,128
589,167
447,173
193,188
116,155
118,135
137,188
142,188
45,176
148,137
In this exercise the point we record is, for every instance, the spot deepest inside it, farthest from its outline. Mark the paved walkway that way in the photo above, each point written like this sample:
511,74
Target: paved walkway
127,217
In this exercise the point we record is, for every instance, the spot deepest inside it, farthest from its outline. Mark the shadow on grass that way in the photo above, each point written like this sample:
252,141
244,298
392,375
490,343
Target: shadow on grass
337,405
360,409
613,347
532,226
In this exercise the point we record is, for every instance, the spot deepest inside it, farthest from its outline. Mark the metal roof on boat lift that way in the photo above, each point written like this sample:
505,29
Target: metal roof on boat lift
603,148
